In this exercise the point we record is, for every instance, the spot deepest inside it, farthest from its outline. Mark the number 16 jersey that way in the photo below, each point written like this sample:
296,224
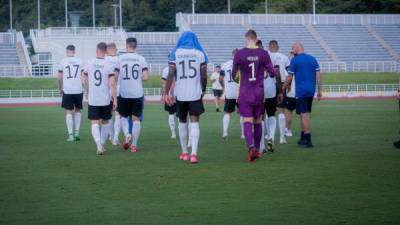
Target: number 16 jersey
131,66
231,87
188,63
99,71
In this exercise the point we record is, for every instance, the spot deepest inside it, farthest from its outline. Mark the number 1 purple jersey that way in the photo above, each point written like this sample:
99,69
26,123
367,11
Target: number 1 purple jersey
251,62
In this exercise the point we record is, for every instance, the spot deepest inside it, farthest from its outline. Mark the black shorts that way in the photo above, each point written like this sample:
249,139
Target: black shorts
71,101
170,109
100,112
230,105
194,108
130,106
304,104
217,93
270,106
289,103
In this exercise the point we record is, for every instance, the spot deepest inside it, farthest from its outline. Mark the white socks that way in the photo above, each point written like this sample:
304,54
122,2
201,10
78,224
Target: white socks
111,131
225,124
70,123
96,135
117,127
262,142
282,124
183,136
195,134
125,126
105,132
171,122
271,127
77,121
190,137
137,125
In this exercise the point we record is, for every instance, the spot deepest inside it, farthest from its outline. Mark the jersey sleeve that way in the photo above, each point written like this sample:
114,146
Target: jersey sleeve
165,72
61,67
85,69
202,58
287,62
316,65
235,66
144,64
110,70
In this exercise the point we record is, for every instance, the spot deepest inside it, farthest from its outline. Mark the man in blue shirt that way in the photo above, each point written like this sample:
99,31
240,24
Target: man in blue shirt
306,69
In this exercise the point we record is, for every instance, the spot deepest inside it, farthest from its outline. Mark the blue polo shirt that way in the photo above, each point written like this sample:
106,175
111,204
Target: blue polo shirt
305,68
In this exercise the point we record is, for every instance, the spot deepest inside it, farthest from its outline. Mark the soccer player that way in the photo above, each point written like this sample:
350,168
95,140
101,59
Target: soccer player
307,72
131,70
231,93
112,58
289,103
252,62
281,60
99,80
170,109
216,87
189,62
70,88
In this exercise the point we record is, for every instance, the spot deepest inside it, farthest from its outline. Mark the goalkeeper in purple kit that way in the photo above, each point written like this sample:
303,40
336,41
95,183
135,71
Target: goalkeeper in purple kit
251,62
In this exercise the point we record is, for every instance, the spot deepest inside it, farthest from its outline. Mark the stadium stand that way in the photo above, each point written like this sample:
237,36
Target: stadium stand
340,42
14,56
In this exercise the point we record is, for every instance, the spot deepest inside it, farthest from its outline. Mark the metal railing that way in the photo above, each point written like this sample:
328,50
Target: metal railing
77,31
155,37
376,66
288,19
330,90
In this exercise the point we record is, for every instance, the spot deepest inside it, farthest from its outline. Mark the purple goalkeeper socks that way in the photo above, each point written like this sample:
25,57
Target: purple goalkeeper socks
257,134
248,134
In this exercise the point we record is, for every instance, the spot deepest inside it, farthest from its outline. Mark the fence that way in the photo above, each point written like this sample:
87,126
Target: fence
287,19
155,37
77,31
343,90
376,66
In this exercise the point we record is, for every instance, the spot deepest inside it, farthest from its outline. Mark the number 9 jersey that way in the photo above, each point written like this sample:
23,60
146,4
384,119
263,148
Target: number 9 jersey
71,68
130,67
188,85
99,71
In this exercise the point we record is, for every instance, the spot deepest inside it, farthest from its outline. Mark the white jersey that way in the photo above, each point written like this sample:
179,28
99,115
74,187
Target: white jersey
216,85
71,67
165,72
269,86
188,85
281,60
99,71
131,66
231,87
113,61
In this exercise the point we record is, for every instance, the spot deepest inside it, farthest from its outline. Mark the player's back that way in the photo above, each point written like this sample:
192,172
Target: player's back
252,62
231,87
131,66
188,63
71,67
282,60
98,71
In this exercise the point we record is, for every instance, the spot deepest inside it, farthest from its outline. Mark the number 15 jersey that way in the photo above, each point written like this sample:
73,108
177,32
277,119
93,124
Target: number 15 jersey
131,66
187,85
99,71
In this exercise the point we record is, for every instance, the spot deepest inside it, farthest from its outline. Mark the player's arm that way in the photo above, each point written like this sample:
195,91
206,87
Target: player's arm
113,88
235,68
287,83
278,84
146,74
269,67
60,81
319,85
203,77
85,84
168,85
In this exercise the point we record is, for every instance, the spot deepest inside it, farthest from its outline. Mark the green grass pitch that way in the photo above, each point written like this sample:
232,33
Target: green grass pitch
352,176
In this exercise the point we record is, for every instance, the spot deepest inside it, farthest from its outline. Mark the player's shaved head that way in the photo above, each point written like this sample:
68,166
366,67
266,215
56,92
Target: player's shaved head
111,49
297,47
131,43
102,47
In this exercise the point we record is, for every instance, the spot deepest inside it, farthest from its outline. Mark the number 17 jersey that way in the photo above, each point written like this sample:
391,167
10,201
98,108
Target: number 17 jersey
188,63
131,66
71,68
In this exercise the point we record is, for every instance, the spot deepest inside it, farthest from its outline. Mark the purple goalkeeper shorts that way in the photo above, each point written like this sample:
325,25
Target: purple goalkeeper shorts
251,110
